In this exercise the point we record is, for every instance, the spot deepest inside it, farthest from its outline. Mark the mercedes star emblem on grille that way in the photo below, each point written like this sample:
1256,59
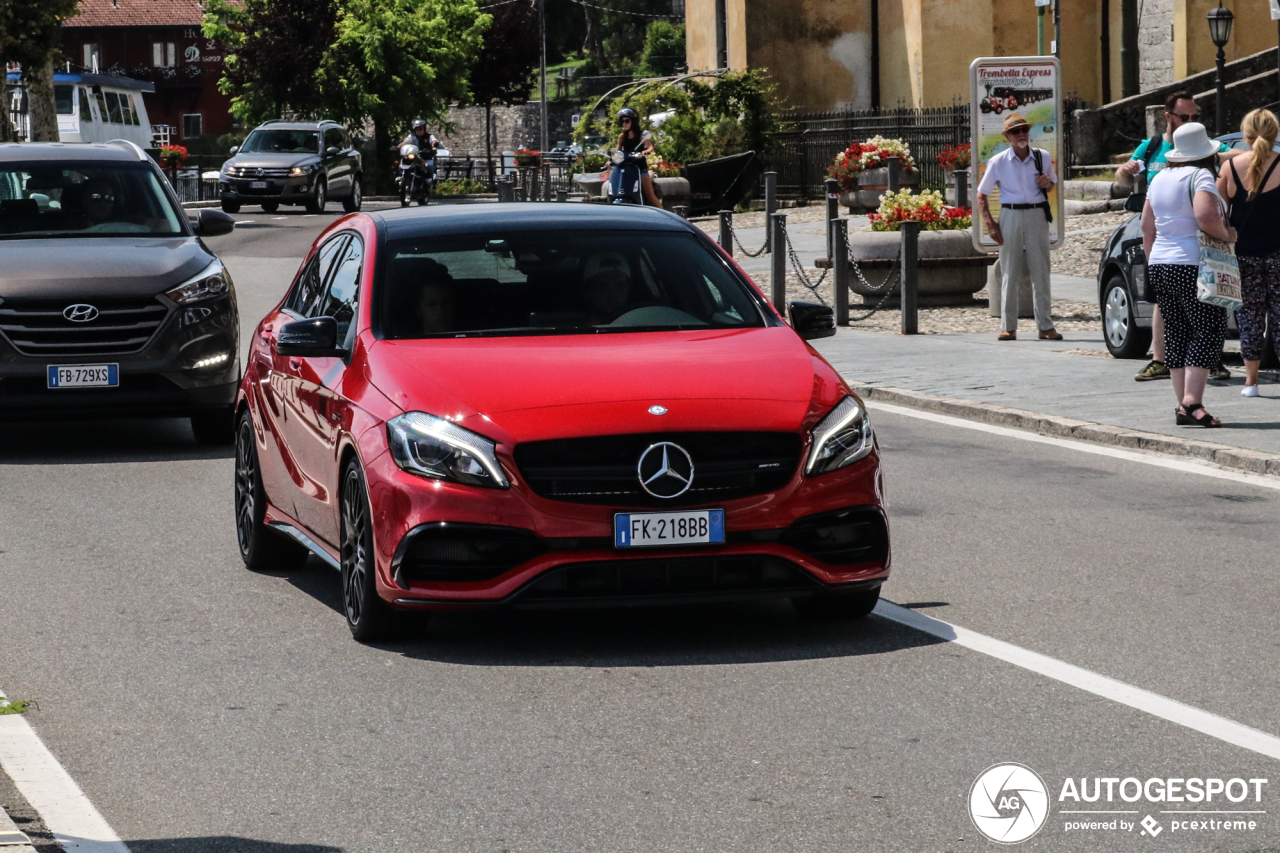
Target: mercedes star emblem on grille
80,313
657,410
665,470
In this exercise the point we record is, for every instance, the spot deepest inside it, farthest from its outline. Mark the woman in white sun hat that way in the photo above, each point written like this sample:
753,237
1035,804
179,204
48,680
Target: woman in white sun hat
1182,200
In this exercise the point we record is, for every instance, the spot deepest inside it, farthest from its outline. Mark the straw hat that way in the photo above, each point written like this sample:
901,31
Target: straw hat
1014,121
1191,142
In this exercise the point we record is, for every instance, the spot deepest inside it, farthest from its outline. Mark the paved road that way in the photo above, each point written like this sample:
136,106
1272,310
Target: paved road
205,708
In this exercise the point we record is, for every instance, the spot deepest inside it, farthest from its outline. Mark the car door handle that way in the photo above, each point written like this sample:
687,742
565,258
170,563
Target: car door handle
295,364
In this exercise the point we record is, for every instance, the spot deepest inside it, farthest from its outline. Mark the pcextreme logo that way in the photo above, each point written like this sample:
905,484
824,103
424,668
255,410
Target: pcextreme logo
1009,803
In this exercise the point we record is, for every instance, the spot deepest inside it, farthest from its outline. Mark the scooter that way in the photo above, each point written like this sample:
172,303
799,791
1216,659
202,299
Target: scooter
625,179
417,176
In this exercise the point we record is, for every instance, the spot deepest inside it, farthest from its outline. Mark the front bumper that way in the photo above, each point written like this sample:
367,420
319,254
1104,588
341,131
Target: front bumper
289,190
160,380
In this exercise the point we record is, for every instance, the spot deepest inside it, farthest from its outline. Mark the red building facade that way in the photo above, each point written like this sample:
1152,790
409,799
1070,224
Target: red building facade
160,41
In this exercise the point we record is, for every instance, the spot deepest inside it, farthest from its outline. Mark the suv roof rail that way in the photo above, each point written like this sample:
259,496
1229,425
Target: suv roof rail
127,145
298,121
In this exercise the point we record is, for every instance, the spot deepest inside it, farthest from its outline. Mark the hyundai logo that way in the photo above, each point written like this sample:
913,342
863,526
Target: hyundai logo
665,470
80,313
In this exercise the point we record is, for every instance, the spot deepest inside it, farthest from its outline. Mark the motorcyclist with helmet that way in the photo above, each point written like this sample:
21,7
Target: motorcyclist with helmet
630,140
418,136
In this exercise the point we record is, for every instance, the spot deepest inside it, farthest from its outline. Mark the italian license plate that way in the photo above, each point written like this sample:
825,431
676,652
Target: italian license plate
257,185
647,529
84,375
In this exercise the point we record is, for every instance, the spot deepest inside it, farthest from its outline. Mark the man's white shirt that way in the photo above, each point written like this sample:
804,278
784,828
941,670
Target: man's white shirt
1016,178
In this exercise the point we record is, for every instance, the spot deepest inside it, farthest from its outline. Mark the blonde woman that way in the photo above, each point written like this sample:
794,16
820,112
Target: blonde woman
1252,183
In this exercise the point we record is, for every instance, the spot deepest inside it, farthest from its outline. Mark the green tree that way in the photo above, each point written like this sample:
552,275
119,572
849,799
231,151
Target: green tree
501,72
395,60
30,34
663,49
274,50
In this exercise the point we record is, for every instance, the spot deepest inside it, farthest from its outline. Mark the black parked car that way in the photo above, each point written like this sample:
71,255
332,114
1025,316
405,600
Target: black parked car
293,162
1122,274
110,303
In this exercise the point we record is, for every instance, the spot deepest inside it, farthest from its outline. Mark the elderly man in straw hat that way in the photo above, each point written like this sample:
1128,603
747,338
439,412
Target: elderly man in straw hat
1024,175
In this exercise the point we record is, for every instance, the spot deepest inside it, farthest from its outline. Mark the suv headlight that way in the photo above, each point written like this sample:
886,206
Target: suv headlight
302,170
841,438
212,281
433,447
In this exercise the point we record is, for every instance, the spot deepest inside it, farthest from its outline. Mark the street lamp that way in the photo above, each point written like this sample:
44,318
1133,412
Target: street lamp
1220,21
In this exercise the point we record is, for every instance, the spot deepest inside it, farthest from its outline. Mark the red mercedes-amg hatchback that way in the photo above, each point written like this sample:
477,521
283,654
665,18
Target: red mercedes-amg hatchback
551,404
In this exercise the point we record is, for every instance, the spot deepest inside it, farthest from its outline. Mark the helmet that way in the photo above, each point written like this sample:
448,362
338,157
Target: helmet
419,125
627,112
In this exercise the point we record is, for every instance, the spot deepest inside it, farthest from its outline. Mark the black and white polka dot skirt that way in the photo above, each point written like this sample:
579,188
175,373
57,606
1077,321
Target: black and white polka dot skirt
1193,330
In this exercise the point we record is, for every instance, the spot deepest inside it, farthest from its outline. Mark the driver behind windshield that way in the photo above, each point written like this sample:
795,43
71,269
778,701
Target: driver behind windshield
606,287
436,305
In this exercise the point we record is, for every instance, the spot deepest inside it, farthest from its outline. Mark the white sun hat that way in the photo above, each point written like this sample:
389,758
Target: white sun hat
1191,142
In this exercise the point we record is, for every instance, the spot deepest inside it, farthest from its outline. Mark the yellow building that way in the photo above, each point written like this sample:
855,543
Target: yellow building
839,54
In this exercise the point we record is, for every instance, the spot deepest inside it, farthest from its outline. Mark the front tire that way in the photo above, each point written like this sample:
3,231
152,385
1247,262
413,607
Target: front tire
271,206
230,207
1125,339
404,194
214,426
838,607
368,616
261,548
352,203
319,198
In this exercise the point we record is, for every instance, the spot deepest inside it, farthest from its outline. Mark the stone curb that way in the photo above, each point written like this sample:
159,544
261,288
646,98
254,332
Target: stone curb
1254,461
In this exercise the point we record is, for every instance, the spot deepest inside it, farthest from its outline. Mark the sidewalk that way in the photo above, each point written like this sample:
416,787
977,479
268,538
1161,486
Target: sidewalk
1074,378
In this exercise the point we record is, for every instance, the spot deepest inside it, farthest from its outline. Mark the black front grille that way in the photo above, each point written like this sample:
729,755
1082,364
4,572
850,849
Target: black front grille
679,577
602,470
40,329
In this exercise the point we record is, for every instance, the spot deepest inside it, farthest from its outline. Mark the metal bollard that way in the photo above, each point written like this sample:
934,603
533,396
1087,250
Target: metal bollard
910,293
726,231
546,182
893,173
962,187
562,195
838,235
778,261
681,211
770,204
833,211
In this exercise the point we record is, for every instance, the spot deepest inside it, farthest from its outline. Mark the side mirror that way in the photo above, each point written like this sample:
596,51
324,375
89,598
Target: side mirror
235,149
332,151
317,338
811,320
214,223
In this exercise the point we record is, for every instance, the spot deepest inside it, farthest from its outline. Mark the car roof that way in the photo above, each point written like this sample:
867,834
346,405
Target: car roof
295,125
442,220
20,152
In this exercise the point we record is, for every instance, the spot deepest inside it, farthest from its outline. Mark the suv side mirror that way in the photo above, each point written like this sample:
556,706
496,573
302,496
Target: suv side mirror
811,320
332,151
214,223
235,149
317,338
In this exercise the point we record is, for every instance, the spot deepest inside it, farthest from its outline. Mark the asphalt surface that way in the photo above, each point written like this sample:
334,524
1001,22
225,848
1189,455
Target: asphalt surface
206,708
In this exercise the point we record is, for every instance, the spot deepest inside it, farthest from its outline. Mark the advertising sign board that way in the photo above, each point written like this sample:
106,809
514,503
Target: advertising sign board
1030,86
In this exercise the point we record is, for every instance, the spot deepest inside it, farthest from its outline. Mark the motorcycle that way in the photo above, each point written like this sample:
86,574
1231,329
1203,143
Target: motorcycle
625,178
416,179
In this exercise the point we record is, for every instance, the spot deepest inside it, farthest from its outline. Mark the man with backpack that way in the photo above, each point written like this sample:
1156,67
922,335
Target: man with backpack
1024,175
1149,158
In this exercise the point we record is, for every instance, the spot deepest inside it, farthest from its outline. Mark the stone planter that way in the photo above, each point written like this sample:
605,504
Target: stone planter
673,192
874,183
951,269
590,183
849,198
526,161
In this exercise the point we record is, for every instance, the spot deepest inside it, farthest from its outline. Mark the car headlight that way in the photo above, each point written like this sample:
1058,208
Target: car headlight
212,281
301,170
433,447
841,438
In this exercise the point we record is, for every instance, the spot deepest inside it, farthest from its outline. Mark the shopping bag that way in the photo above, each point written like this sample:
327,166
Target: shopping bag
1218,282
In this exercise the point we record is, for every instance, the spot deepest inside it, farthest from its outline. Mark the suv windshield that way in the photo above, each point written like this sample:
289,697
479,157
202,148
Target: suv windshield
282,142
59,199
559,282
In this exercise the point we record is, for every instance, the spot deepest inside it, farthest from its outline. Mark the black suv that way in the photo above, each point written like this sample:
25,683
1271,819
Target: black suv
293,162
110,303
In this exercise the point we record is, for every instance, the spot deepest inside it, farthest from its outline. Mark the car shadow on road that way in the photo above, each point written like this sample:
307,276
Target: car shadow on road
222,844
81,441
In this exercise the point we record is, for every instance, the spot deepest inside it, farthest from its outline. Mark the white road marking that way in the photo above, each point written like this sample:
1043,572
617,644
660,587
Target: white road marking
51,791
1187,466
1100,685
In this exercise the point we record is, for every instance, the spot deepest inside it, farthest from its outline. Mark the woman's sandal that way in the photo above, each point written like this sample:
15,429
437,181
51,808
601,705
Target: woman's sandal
1207,420
1181,418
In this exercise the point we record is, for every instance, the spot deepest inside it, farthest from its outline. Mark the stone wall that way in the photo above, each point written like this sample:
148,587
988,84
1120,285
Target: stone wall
1155,44
512,128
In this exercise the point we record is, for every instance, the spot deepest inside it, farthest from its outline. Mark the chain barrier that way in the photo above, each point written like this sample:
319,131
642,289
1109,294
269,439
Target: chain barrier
886,285
805,281
738,242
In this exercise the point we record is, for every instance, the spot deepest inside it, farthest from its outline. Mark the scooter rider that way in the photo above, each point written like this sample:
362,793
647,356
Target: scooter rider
632,140
418,136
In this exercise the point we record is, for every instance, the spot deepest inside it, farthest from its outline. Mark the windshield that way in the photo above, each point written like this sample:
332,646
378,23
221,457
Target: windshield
560,282
83,200
282,142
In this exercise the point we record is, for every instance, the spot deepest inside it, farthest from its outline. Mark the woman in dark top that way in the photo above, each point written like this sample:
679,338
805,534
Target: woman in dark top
631,139
1254,190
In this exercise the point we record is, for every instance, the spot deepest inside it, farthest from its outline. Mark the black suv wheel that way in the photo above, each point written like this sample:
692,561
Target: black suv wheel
319,198
352,202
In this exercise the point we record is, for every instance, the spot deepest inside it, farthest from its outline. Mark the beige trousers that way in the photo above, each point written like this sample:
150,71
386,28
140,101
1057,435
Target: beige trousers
1025,251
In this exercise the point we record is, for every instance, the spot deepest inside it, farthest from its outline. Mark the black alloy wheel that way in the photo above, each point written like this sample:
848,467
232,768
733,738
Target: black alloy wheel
271,206
838,607
352,202
214,426
1120,330
230,207
261,548
368,616
319,198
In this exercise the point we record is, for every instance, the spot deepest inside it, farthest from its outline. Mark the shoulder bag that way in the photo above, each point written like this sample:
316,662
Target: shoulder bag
1137,199
1218,278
